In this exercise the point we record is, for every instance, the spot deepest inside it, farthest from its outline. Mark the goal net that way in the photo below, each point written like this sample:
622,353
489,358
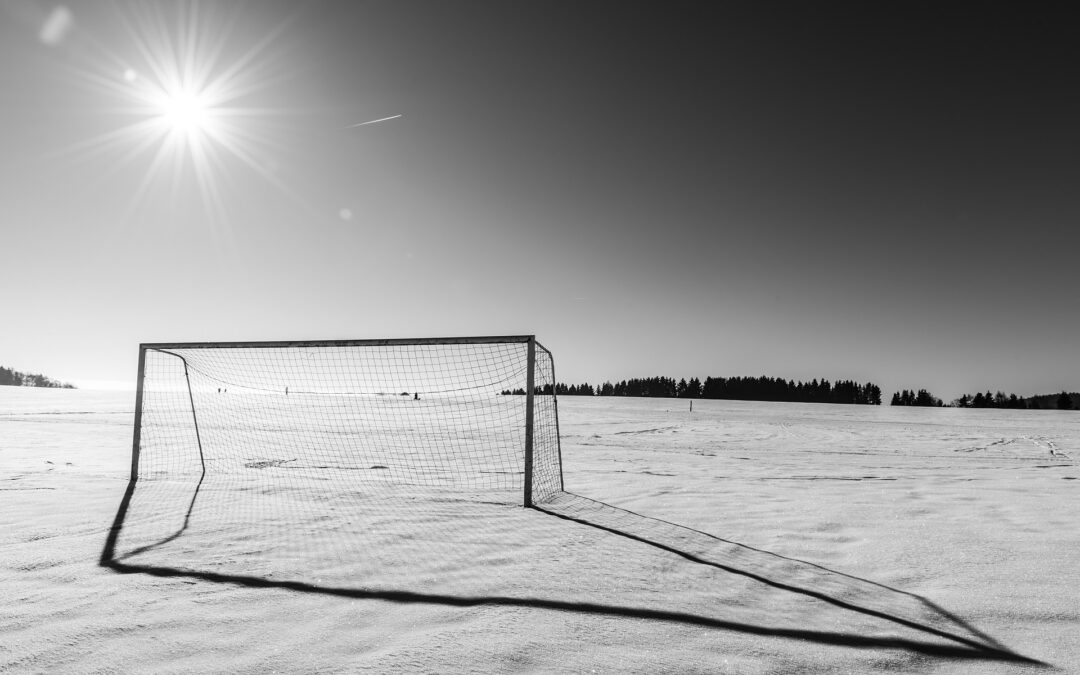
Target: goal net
295,444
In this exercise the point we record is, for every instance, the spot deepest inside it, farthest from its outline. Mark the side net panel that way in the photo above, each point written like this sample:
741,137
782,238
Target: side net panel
272,457
547,479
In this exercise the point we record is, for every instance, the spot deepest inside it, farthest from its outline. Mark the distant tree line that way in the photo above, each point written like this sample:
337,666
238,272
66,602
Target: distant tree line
777,389
988,400
738,388
1062,401
921,398
14,378
816,391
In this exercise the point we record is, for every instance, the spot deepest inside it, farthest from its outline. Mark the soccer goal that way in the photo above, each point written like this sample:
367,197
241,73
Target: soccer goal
471,417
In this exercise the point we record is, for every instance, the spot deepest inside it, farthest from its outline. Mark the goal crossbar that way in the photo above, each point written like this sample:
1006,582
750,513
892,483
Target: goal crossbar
389,342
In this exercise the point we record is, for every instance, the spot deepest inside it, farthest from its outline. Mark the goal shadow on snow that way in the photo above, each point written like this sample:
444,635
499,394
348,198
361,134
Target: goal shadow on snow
874,601
860,607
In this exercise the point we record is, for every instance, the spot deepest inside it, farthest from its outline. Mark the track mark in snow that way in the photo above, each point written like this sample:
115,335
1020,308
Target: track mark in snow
853,478
644,471
1041,443
1000,441
266,463
29,488
1050,445
646,431
65,412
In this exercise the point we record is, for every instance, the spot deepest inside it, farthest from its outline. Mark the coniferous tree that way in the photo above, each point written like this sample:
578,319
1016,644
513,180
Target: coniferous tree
693,388
926,399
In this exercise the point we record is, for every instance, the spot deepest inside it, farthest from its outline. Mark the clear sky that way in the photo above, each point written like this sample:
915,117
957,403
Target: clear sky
869,191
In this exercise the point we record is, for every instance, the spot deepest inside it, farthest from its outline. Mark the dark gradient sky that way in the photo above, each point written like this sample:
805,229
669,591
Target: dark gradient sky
866,191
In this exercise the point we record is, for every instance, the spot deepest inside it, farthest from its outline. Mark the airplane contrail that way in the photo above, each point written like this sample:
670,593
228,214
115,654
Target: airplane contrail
383,119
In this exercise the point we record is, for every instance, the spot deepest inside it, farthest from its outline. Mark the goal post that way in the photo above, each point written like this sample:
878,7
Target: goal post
462,417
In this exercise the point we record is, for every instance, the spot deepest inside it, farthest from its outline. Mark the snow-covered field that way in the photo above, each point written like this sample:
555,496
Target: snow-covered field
740,537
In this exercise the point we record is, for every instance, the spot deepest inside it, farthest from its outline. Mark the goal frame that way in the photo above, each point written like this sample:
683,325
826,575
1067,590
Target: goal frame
529,340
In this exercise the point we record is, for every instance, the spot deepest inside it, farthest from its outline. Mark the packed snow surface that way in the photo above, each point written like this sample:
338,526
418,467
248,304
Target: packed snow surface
740,537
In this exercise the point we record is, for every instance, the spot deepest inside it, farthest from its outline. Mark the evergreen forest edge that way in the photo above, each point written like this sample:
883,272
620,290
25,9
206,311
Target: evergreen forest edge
15,378
765,388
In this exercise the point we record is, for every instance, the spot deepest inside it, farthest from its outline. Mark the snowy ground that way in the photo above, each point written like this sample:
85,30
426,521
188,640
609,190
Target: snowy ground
741,537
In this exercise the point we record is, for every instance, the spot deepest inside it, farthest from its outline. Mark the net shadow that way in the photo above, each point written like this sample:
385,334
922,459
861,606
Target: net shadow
855,595
697,590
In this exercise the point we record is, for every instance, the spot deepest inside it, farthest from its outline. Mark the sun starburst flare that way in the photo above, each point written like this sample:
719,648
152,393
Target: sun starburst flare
181,81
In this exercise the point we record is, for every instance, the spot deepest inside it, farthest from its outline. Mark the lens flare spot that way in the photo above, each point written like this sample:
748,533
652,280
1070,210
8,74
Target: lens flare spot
57,26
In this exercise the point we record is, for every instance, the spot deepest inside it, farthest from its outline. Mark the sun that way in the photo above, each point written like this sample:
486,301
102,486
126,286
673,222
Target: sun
189,102
186,112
